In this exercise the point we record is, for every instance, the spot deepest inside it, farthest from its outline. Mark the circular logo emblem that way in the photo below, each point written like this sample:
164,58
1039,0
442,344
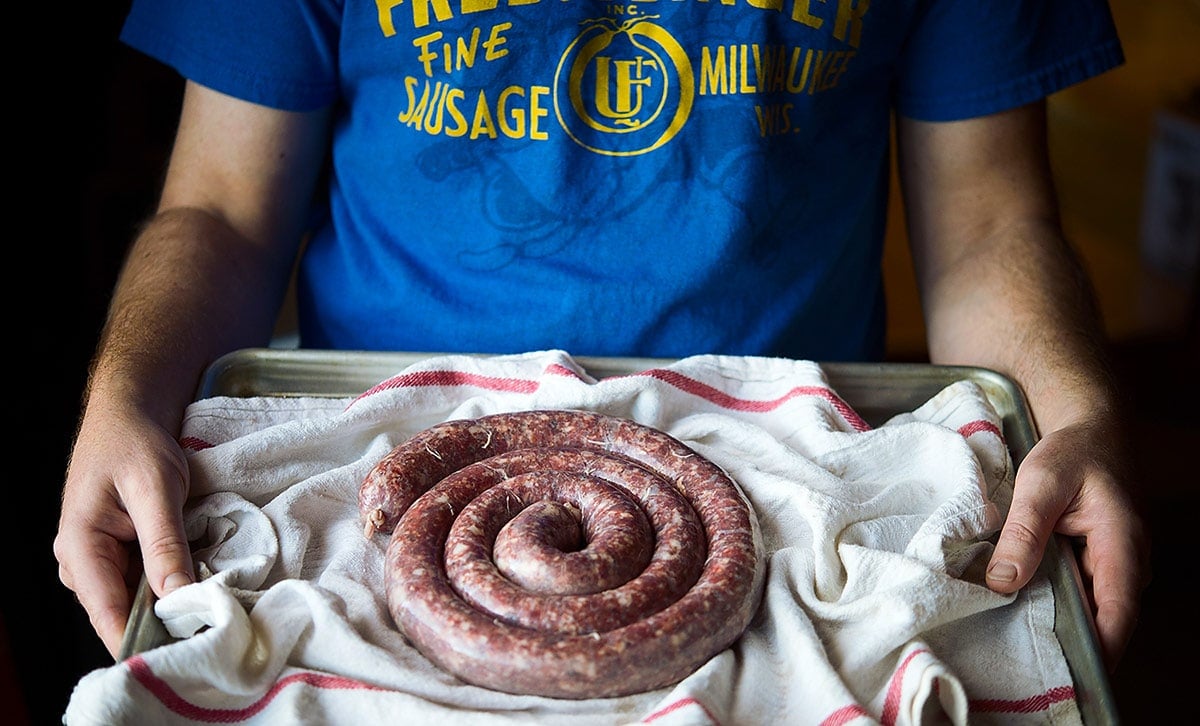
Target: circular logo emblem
623,89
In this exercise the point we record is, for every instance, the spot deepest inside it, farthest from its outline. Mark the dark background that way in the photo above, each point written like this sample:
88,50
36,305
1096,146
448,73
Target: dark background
91,128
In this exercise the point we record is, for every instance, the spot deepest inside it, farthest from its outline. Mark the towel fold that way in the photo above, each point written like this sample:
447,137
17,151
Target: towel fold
874,608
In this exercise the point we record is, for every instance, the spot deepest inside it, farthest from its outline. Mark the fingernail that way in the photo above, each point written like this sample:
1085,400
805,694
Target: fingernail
176,580
1002,572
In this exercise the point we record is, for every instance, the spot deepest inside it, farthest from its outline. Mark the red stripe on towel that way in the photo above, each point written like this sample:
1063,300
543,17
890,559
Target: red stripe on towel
558,369
162,690
675,706
1033,704
191,443
979,426
724,400
891,704
165,694
454,378
684,383
844,715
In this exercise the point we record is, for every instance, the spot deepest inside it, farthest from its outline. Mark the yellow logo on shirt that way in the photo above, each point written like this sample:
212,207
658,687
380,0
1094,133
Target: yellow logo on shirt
623,87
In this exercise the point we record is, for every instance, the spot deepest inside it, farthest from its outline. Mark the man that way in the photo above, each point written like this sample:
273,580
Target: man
659,178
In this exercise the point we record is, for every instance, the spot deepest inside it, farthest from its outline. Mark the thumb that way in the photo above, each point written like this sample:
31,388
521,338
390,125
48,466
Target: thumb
1036,507
166,555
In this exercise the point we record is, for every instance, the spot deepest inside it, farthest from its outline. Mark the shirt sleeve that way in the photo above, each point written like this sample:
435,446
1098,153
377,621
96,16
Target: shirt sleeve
278,53
968,58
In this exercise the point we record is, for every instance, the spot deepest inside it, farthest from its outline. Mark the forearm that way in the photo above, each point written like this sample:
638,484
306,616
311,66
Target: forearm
1017,301
1000,286
191,289
207,273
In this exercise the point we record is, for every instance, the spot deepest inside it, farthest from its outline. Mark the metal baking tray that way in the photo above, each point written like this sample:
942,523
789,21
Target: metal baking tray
876,391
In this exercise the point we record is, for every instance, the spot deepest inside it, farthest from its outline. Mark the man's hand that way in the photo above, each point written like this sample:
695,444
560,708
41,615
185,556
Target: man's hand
125,488
1073,483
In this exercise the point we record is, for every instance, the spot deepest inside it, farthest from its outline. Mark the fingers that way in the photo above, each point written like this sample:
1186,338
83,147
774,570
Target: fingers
93,557
95,566
100,589
1114,559
1116,614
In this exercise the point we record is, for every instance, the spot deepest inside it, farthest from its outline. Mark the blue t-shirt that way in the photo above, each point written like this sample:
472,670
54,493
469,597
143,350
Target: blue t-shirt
659,178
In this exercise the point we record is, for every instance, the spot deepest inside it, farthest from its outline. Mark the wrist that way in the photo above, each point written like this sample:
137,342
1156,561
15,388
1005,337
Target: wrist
119,383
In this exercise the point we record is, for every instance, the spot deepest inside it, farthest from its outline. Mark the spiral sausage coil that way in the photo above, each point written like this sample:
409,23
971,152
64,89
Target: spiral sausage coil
566,554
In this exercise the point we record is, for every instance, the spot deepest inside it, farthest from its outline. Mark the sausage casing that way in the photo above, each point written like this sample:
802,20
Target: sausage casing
559,553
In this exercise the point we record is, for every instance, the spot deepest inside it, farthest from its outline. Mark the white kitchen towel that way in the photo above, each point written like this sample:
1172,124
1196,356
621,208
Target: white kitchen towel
873,607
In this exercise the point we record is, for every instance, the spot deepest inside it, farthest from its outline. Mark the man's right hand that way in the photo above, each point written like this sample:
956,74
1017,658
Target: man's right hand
126,485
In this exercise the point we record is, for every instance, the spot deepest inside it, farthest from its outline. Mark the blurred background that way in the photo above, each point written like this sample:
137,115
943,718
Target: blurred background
92,127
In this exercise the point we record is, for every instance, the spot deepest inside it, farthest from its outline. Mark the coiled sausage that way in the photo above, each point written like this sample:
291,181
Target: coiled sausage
563,553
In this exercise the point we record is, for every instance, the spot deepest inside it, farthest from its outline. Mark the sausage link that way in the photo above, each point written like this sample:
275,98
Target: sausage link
641,560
